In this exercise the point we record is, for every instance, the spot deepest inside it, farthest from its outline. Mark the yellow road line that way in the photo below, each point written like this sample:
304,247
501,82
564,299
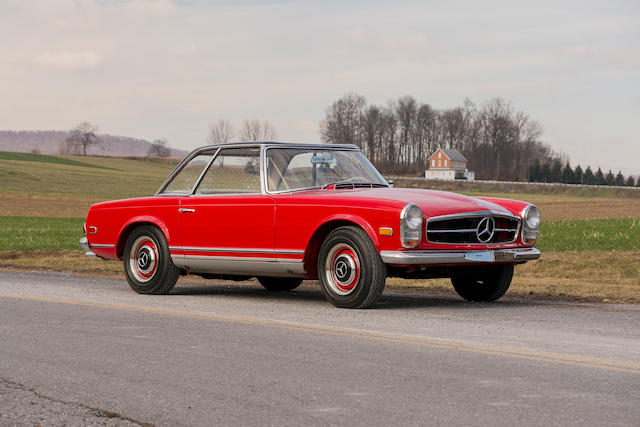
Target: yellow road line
559,358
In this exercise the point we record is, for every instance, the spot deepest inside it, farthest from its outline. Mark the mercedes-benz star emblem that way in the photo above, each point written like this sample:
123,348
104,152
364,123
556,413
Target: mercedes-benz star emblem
341,269
143,260
486,229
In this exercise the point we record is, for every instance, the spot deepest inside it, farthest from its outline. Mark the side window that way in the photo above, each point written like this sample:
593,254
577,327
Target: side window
185,180
235,170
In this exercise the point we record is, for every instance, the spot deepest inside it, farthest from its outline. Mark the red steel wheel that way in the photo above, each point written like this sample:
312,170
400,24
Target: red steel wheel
147,261
350,269
342,269
143,259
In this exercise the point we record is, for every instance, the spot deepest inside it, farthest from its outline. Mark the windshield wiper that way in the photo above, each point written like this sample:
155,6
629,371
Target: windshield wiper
347,184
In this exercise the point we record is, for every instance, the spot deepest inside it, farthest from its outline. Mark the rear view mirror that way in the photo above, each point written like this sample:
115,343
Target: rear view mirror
323,160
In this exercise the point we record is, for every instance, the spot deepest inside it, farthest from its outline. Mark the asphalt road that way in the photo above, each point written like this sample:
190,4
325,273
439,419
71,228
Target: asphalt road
82,351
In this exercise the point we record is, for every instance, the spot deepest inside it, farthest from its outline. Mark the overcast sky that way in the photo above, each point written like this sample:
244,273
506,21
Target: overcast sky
168,69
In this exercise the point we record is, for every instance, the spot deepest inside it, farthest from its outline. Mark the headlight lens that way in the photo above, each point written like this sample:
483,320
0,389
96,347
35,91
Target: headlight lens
531,225
410,226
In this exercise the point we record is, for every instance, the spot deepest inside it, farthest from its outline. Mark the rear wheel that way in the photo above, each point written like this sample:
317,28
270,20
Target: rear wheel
350,269
147,262
279,284
487,284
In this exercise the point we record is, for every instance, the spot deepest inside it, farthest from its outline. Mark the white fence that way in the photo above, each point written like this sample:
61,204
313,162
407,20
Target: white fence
550,184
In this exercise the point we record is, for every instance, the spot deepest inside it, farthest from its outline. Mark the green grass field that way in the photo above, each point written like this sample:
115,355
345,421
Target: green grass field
612,234
44,158
590,238
99,178
40,233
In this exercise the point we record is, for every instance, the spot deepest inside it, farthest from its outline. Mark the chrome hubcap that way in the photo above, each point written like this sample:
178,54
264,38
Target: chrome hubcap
342,269
143,259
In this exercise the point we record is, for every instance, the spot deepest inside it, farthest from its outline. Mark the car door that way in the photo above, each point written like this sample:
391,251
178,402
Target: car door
227,221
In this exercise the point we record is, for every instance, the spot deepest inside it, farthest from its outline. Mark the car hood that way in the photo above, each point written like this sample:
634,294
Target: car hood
431,202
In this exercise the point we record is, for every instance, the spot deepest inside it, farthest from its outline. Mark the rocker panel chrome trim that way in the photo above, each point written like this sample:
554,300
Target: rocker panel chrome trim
238,250
252,266
102,245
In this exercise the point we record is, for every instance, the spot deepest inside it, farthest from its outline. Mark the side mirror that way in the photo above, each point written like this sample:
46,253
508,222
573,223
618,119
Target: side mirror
390,181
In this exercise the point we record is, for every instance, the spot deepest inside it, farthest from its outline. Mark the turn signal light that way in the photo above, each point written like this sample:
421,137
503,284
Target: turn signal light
385,231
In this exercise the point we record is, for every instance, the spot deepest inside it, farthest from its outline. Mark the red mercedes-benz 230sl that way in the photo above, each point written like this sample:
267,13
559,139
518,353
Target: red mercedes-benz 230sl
287,212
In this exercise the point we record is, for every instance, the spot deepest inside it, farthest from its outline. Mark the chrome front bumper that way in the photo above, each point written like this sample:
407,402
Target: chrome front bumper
84,244
460,257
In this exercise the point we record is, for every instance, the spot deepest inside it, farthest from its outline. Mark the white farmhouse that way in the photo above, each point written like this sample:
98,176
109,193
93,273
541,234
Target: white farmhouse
448,165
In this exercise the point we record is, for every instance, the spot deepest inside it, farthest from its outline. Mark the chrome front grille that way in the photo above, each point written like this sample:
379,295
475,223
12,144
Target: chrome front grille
477,228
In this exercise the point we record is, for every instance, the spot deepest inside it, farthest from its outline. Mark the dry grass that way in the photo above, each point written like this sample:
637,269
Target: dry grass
44,206
574,276
607,276
555,208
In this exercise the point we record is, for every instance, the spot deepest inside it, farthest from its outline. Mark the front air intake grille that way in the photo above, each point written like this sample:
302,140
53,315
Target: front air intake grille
473,229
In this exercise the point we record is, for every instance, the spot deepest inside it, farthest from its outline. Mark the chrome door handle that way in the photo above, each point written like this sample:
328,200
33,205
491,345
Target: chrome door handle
186,210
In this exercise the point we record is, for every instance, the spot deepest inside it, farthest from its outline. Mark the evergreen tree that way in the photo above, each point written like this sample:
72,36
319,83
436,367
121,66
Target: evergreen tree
610,179
534,172
599,178
578,175
545,173
567,174
556,172
588,178
619,179
631,182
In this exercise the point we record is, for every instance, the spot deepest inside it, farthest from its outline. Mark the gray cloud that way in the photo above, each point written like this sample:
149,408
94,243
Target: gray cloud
163,69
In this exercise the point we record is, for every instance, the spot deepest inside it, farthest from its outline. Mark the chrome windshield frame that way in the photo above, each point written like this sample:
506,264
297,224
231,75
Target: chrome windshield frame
264,163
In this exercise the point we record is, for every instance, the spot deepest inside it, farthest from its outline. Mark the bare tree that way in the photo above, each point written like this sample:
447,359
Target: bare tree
220,132
499,142
69,148
159,148
84,135
257,130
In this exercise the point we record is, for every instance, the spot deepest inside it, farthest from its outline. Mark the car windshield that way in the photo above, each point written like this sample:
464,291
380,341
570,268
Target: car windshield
296,168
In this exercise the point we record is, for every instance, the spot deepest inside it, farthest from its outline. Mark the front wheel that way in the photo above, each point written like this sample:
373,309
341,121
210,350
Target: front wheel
487,284
350,269
147,262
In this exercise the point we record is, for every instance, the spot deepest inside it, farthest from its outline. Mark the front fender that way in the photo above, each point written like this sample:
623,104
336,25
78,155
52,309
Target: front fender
356,220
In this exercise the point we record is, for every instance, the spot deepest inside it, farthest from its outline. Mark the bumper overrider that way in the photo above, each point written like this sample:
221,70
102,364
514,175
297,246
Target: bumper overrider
460,257
84,244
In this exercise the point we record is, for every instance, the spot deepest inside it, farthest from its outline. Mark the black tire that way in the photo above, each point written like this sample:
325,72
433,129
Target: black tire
147,262
279,284
487,284
350,269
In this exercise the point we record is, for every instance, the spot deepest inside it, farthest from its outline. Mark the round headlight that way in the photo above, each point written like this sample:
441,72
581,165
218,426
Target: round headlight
413,217
532,218
410,226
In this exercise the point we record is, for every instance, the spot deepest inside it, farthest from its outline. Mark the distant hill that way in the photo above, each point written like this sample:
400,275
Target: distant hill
47,142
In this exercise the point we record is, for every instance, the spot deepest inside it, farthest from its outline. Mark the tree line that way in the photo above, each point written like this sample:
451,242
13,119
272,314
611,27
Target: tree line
499,142
555,172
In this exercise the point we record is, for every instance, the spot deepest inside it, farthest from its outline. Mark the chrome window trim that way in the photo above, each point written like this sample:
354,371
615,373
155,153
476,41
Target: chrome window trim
204,171
327,147
491,213
262,144
248,146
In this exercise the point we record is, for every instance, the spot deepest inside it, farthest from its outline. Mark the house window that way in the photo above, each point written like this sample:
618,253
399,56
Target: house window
439,155
445,163
433,163
439,163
